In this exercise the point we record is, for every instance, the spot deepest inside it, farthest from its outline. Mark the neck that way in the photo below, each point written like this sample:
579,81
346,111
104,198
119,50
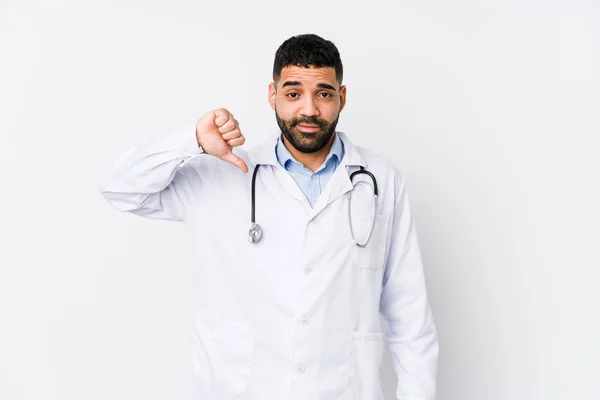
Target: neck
311,161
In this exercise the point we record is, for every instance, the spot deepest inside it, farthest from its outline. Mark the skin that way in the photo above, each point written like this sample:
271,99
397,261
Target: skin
316,98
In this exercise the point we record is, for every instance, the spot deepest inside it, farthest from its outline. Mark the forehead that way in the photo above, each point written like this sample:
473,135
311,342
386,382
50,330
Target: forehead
308,76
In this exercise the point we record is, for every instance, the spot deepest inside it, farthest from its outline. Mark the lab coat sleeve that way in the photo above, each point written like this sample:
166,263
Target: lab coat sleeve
154,179
411,335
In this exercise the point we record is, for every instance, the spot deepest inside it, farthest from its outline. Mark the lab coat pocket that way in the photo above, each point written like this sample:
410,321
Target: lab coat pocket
364,374
372,256
222,355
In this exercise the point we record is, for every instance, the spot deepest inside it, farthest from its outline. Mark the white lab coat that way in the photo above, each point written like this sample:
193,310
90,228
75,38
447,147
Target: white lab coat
295,316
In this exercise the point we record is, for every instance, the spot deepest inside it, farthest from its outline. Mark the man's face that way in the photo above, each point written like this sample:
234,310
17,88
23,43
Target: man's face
307,104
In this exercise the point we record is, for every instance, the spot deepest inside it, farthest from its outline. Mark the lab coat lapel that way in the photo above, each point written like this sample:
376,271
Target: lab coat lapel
340,183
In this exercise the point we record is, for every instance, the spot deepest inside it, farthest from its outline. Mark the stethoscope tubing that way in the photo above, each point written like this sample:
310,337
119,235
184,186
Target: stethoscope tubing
255,232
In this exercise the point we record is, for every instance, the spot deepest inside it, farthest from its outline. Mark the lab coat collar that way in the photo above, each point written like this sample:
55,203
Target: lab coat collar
264,153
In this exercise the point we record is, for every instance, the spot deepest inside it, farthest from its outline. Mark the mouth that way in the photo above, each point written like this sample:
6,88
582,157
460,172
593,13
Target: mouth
308,128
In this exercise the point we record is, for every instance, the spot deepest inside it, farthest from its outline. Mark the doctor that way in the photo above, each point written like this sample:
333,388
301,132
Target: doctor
294,315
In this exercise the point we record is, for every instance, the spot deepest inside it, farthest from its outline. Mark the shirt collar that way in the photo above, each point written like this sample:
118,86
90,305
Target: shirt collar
265,153
283,154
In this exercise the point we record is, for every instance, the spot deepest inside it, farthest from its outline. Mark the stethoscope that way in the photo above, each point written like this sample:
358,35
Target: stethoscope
255,232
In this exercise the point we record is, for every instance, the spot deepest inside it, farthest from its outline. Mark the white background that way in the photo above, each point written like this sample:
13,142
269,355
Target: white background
490,109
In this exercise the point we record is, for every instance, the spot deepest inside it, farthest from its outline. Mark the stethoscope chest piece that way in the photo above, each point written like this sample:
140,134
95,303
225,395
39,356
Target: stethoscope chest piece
255,233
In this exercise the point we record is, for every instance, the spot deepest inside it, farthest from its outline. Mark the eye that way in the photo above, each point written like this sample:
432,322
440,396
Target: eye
292,95
326,94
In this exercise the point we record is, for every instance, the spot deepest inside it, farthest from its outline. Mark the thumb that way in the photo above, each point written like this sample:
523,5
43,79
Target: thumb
235,160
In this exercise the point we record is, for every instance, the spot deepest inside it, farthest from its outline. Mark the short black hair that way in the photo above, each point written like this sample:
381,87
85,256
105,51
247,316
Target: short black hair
308,50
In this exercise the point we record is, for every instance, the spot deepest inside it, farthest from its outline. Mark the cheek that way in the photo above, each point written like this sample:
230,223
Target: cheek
331,114
284,111
330,109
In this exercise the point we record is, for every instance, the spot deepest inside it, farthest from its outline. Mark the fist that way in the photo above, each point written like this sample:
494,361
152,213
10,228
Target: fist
217,132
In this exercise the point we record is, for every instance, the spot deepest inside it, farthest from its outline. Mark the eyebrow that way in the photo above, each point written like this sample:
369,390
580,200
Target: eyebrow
319,85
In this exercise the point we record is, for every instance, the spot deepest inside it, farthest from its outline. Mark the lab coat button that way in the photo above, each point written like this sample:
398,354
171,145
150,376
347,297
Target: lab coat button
305,322
308,270
300,369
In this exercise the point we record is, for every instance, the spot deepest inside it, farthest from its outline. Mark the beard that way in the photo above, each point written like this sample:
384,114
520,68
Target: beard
307,142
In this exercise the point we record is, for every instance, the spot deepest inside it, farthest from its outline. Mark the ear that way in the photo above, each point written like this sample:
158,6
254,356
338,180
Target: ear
272,94
342,97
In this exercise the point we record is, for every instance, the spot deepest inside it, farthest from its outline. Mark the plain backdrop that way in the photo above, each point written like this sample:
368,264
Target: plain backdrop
490,109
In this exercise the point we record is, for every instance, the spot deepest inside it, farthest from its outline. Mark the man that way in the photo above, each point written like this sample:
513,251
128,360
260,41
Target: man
294,314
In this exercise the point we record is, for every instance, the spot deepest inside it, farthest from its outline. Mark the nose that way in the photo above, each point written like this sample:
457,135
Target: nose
309,107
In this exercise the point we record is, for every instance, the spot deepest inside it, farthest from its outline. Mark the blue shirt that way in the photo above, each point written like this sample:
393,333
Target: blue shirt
310,183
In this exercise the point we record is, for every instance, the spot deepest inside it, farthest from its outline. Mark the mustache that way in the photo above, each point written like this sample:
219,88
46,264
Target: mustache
310,121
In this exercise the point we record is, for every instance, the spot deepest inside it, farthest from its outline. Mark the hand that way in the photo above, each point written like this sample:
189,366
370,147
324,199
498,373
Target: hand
218,133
